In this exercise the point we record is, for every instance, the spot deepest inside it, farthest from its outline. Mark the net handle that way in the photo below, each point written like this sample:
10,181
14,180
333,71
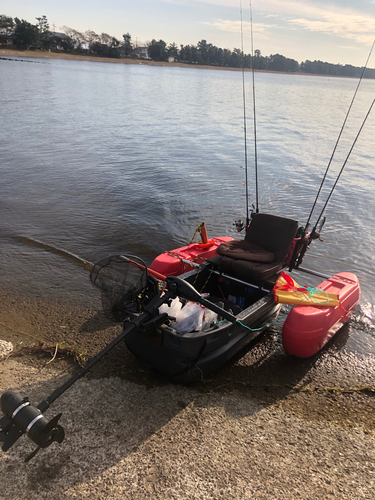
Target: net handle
156,275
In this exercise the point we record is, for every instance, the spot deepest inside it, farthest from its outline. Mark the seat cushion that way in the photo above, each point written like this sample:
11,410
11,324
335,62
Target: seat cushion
272,232
243,250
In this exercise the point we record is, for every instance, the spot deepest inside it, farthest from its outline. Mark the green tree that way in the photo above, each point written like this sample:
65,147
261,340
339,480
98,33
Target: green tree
202,52
258,60
236,58
45,37
188,54
98,49
157,50
6,28
65,44
172,50
215,55
26,35
278,62
226,57
127,45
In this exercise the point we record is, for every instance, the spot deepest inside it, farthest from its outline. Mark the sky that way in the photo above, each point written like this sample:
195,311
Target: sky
335,31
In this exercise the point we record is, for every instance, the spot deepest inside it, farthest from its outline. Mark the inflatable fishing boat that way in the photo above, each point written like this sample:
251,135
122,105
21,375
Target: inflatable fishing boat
187,342
239,286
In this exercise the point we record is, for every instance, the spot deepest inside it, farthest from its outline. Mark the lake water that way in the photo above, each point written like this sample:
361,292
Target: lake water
100,158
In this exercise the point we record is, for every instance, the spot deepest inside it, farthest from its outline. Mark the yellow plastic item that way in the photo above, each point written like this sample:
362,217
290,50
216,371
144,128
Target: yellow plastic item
287,291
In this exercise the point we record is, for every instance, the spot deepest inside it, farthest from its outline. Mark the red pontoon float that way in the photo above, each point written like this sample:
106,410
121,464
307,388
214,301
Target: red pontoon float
176,262
309,327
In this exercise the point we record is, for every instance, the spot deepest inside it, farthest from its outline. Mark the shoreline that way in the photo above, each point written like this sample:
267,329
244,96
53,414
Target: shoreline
38,54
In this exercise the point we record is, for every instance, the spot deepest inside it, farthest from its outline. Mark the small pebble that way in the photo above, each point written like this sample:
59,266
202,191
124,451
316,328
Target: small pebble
5,349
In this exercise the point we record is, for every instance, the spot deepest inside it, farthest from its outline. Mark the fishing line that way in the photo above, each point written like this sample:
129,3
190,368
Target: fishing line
345,162
337,142
304,242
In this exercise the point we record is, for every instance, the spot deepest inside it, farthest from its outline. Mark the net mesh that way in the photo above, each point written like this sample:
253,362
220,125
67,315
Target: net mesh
121,279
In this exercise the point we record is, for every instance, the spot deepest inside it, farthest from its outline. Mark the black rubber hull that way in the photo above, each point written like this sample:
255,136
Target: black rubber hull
192,357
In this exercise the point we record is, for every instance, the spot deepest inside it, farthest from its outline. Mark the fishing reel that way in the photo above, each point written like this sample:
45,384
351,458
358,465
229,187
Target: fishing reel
305,238
20,417
316,232
240,225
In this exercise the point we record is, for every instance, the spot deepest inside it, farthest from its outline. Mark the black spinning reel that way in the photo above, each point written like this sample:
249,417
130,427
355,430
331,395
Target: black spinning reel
240,225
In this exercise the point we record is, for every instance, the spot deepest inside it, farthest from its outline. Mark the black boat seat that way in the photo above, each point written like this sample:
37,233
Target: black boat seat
262,253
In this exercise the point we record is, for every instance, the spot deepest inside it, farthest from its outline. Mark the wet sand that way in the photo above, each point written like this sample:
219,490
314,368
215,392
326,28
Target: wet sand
57,55
265,426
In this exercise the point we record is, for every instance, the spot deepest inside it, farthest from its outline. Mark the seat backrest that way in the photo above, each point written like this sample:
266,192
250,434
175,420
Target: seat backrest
273,233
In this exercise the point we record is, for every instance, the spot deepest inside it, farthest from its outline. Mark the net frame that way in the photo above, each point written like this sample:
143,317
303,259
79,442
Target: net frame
121,280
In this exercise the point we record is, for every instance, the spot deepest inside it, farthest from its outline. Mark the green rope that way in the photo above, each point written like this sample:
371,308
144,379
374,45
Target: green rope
311,291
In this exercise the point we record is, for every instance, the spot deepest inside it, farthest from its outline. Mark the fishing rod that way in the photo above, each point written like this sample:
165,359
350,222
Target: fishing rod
305,236
254,111
244,120
300,249
337,142
239,224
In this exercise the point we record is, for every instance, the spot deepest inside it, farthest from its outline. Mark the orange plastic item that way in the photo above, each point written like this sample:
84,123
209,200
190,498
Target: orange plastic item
204,234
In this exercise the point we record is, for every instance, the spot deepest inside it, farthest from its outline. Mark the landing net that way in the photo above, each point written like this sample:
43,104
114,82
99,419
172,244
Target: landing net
121,279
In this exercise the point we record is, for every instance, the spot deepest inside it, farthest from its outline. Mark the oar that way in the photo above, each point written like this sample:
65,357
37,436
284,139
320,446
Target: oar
314,273
237,280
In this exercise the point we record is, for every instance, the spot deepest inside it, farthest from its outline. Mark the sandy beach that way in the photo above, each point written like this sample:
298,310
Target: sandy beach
263,427
57,55
9,53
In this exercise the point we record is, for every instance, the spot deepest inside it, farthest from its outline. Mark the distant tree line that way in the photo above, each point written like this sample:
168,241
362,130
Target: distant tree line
26,36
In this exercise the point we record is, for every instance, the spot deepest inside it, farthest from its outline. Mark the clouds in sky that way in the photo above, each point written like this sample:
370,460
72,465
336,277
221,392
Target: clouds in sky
340,30
327,19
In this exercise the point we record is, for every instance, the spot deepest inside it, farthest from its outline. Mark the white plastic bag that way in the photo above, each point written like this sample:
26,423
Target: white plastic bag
194,317
173,309
189,318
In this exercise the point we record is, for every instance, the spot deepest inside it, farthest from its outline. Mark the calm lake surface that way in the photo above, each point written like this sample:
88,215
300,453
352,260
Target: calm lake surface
100,158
